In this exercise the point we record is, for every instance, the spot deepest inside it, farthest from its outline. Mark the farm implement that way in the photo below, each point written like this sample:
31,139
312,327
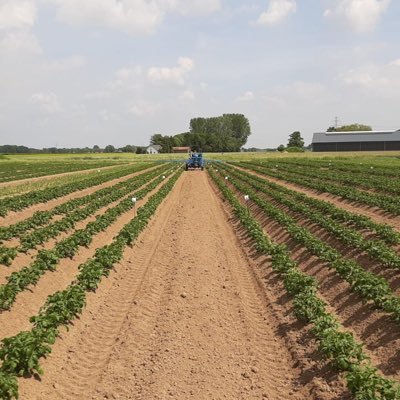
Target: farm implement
195,161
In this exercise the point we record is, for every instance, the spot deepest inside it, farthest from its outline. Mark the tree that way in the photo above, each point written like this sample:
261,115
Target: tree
228,132
128,149
157,138
350,128
281,148
96,149
140,150
295,140
109,149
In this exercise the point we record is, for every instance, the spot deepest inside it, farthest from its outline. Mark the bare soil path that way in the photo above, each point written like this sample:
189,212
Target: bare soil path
182,317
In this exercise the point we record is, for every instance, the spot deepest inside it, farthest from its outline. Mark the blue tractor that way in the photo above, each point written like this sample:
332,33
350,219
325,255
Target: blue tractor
195,161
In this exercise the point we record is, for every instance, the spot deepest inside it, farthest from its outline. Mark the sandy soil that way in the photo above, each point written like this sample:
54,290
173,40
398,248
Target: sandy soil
183,316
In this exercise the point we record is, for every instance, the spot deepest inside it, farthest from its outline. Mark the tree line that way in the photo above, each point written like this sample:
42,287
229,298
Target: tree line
14,149
226,133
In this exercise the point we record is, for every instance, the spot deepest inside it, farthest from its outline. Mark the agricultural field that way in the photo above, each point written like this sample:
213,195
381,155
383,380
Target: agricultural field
14,168
265,276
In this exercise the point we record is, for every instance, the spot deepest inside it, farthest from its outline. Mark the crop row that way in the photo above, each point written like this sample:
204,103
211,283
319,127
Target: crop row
390,204
21,354
376,249
356,168
19,202
383,231
366,284
337,345
92,203
40,218
12,171
47,260
379,184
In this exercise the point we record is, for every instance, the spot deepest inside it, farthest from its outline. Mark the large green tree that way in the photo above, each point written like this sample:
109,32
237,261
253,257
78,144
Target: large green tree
295,140
109,149
228,132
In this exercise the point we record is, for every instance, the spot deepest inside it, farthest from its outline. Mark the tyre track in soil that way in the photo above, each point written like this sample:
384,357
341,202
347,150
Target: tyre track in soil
18,216
376,214
181,317
322,381
29,301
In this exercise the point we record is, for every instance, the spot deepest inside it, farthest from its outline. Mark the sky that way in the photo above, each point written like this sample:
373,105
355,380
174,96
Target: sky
76,73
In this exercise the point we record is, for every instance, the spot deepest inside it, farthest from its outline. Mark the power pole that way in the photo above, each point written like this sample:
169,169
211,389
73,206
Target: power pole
336,122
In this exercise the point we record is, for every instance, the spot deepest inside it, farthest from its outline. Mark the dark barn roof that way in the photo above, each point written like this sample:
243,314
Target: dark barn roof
356,141
364,136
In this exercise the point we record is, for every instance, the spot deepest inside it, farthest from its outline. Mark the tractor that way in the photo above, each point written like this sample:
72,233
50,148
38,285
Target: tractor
195,161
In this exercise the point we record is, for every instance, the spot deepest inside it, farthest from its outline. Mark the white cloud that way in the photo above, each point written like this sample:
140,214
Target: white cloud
19,41
361,15
275,101
395,63
126,73
127,77
68,63
375,79
78,111
108,116
277,11
247,96
134,17
97,95
187,95
17,17
16,14
143,108
175,75
47,102
129,16
197,7
307,90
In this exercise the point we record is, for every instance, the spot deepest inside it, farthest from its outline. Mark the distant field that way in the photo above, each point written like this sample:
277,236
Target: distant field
34,167
15,167
116,158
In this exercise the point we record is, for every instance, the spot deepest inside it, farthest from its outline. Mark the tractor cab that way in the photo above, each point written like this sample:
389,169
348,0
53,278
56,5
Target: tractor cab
195,161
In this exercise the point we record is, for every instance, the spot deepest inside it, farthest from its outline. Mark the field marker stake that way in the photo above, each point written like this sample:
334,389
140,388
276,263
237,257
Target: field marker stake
134,200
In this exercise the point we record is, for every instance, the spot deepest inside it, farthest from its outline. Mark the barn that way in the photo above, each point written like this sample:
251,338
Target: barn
356,141
184,149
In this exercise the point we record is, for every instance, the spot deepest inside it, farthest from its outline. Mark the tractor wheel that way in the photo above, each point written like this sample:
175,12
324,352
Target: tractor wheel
186,167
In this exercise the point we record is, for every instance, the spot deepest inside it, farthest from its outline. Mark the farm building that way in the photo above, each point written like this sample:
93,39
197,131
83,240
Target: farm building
184,149
356,141
153,149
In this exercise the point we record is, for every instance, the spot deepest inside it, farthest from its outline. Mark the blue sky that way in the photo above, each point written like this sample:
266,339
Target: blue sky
85,72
